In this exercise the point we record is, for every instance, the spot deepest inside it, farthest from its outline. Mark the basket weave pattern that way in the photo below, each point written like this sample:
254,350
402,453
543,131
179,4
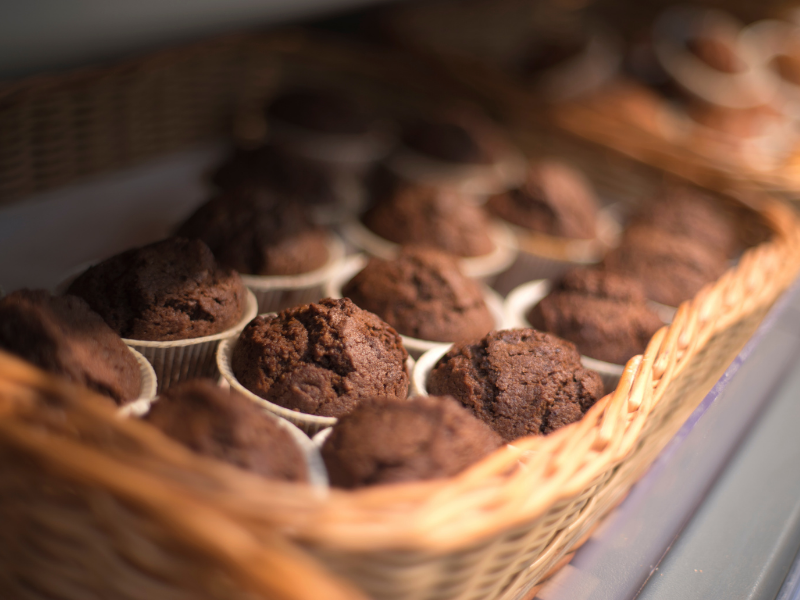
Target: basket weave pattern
89,495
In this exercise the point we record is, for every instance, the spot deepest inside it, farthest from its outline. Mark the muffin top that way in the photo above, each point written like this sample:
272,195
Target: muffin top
604,314
446,140
688,212
428,215
62,335
321,359
671,268
555,199
325,111
225,425
386,440
302,180
518,381
255,231
423,294
169,290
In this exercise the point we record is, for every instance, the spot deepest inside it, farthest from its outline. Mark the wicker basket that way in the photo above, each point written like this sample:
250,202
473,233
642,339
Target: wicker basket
145,515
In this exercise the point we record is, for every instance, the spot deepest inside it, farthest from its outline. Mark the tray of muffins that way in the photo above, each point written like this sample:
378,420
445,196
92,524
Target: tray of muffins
684,88
422,343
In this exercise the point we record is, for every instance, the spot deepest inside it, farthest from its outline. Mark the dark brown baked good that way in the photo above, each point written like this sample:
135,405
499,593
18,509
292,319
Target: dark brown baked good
671,268
427,215
255,231
225,425
321,359
423,294
688,212
321,110
169,290
295,179
604,314
555,199
445,140
64,336
519,381
385,440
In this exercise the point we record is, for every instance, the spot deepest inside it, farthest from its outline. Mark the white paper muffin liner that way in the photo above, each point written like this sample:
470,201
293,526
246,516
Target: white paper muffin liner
486,267
179,360
310,424
542,256
416,347
147,389
274,293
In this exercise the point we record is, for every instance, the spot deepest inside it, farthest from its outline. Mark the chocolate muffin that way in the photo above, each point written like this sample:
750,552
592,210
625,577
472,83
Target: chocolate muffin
169,290
518,381
604,314
386,440
295,179
427,215
445,140
321,359
323,111
225,425
62,335
255,231
423,294
555,199
671,268
687,212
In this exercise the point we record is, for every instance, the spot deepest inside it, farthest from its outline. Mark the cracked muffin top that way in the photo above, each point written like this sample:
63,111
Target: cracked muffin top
321,359
386,440
225,425
423,294
518,381
256,231
169,290
62,335
604,314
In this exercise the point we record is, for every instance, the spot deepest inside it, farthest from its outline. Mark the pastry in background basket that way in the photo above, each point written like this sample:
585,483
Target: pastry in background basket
604,314
225,425
385,440
672,268
63,335
320,359
283,258
424,295
171,301
519,381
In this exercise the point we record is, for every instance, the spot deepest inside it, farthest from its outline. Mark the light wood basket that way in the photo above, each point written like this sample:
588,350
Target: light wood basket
101,504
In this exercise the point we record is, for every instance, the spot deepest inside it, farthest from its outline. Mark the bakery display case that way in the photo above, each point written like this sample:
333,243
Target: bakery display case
663,475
